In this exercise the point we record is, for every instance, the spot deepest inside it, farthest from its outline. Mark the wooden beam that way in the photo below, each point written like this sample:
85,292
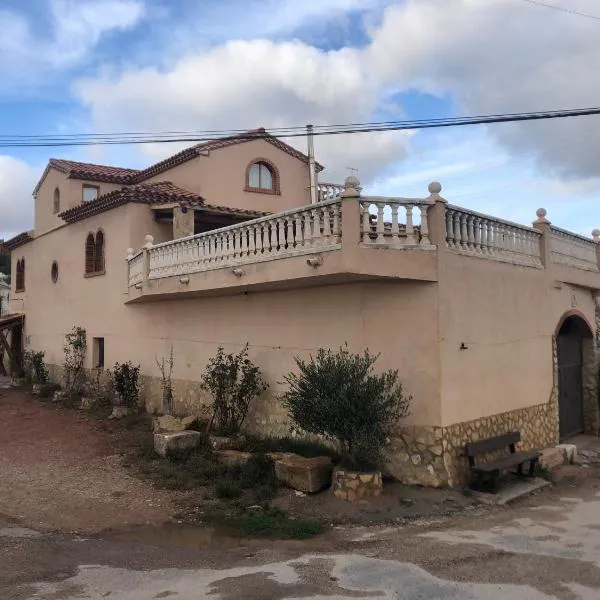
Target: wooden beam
4,343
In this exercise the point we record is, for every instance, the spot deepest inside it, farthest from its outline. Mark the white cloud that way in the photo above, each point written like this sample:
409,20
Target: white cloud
537,59
76,27
17,180
496,56
244,84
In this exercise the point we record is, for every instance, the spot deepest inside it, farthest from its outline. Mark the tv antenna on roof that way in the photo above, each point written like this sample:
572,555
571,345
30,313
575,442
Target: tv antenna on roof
353,170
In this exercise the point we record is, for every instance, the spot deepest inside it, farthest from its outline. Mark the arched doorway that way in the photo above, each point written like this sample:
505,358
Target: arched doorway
572,340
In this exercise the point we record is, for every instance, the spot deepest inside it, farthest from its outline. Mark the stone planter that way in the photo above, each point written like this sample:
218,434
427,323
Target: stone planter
59,396
354,485
304,474
36,388
47,389
235,442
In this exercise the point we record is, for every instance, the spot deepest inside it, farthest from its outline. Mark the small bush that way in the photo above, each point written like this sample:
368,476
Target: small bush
233,380
75,350
228,490
338,395
165,365
126,377
100,388
35,367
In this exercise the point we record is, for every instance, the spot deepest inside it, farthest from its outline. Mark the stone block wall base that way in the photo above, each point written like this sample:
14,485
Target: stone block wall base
435,456
353,485
304,474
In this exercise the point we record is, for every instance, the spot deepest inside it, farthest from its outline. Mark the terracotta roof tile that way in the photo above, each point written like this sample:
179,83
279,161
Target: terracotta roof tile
16,241
199,149
144,193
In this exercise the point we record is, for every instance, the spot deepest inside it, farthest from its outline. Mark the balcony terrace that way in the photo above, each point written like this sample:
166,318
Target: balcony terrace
349,237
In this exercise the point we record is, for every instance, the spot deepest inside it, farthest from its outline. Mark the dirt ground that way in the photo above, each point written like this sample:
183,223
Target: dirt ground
61,470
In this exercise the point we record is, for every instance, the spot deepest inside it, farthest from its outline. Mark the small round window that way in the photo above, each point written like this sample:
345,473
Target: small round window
54,272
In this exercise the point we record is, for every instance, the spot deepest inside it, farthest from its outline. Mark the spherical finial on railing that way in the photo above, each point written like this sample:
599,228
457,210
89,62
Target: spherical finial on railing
351,182
130,253
435,187
596,235
149,241
541,217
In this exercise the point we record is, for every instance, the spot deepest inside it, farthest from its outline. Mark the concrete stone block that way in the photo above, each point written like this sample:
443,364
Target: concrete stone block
552,457
227,443
305,474
168,424
569,452
166,443
232,458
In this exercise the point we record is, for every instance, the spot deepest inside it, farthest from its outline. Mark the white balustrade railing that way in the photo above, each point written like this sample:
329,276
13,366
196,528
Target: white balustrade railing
299,231
391,221
572,250
136,268
329,191
476,234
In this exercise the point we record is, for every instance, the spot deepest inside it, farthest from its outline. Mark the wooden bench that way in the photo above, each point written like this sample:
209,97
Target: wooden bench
485,474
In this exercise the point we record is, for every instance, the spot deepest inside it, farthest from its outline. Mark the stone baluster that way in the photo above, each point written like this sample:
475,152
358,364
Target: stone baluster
596,238
456,225
425,241
380,224
336,230
299,229
450,228
470,232
411,237
477,234
316,229
366,223
327,224
463,232
281,234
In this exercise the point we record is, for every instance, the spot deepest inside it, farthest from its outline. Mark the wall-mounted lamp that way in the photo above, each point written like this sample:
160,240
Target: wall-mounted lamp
237,271
315,261
463,346
185,280
138,286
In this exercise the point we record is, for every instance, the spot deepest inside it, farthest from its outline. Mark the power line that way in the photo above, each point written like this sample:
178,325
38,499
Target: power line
289,132
562,9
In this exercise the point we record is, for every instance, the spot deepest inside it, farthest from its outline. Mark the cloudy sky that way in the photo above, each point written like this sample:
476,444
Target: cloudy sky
89,66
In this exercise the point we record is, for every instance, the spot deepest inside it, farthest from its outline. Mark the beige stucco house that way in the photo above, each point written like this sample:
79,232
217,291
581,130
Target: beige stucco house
490,323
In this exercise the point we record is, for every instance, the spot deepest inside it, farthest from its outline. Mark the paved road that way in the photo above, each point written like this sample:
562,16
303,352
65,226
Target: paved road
547,547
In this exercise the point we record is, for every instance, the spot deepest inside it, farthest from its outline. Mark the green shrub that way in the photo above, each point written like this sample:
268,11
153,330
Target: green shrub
126,377
338,395
233,381
35,367
75,350
228,490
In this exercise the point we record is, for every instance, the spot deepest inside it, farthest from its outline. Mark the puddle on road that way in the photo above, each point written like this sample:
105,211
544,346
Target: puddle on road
19,532
328,576
180,536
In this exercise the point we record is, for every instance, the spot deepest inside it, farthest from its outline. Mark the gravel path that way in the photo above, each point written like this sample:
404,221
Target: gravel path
59,471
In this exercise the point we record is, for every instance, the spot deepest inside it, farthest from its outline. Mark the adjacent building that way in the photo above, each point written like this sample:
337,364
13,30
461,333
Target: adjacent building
491,324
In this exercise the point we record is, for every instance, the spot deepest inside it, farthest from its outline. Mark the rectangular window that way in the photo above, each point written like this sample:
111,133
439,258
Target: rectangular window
90,192
98,352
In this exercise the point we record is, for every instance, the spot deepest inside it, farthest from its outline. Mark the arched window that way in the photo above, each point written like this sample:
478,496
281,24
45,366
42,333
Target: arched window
262,176
20,279
56,204
99,255
94,253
